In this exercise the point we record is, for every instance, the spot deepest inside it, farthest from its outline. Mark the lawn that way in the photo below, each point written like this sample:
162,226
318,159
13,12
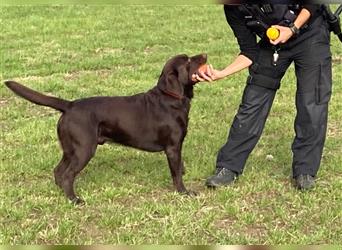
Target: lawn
79,51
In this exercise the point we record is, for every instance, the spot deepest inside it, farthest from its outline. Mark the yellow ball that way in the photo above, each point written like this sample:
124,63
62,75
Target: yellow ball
272,33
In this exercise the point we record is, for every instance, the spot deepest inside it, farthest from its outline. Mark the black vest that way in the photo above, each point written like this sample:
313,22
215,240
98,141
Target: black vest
260,17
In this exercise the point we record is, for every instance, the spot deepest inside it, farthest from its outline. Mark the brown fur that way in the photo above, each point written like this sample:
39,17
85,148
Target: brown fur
153,121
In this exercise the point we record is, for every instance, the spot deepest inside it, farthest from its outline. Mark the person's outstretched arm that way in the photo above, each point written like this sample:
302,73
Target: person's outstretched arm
241,62
247,42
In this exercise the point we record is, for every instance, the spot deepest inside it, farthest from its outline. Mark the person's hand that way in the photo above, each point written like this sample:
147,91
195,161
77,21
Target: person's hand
285,34
211,75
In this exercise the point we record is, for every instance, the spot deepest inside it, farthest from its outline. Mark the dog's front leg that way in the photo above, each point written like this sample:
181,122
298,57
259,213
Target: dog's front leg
174,157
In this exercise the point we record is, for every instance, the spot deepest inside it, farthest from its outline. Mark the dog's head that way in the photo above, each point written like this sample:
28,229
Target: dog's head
176,76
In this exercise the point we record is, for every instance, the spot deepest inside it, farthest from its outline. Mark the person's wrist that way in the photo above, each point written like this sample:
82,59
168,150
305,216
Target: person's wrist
221,74
290,33
294,29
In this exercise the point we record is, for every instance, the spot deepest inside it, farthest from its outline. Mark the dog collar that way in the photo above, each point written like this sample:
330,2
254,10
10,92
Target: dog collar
172,94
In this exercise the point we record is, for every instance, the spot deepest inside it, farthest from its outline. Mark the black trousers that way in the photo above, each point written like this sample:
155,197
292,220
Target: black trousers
311,55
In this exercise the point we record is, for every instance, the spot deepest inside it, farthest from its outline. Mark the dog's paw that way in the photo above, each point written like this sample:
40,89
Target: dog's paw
189,193
77,201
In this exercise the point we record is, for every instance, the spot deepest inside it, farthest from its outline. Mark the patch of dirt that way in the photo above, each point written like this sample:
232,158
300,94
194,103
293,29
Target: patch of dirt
33,78
101,73
109,50
153,49
4,102
34,113
337,59
255,231
334,130
226,222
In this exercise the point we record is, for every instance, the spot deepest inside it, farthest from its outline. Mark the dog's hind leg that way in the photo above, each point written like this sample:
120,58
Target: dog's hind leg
78,160
67,147
60,168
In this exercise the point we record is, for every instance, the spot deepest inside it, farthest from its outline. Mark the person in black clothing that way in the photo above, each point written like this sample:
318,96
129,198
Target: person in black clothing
304,41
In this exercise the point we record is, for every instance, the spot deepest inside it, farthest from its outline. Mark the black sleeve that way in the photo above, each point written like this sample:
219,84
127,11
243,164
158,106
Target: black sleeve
246,38
315,11
312,8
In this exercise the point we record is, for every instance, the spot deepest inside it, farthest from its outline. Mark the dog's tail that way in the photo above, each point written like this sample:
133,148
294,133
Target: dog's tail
38,98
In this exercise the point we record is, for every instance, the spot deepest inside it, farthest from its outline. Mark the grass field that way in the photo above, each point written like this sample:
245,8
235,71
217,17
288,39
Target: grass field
80,51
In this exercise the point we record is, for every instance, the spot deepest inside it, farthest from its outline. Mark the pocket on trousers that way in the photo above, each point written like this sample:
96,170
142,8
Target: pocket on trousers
324,83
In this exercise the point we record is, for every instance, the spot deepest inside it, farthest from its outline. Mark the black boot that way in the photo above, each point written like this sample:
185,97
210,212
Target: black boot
222,177
304,182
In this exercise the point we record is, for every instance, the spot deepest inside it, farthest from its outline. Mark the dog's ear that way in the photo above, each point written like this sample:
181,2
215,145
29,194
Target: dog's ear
173,83
176,80
183,74
175,75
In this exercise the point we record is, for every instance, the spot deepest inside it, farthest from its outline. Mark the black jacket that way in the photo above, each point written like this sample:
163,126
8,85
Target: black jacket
246,38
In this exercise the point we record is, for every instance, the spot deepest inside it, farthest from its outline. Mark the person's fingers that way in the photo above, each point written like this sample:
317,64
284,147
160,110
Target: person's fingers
275,42
198,78
205,76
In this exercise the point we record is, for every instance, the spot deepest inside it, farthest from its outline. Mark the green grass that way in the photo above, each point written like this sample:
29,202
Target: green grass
80,51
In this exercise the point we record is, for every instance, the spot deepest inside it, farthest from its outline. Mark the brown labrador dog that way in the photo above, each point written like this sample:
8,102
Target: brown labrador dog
153,121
